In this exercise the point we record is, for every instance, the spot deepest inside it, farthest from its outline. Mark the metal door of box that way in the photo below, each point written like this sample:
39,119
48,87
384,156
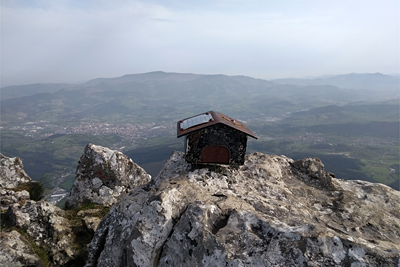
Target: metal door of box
215,154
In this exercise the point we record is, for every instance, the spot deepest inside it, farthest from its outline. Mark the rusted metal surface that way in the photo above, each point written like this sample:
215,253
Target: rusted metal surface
216,135
217,118
215,154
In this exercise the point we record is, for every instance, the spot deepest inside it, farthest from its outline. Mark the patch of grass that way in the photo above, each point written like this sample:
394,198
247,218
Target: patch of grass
379,172
76,221
81,236
42,252
102,209
36,189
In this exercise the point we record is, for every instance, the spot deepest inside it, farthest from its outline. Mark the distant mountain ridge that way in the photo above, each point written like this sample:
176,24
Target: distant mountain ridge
351,80
13,91
145,77
165,95
142,81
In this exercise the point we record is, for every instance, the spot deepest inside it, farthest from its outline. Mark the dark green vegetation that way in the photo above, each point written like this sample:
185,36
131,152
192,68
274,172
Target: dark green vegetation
350,121
41,252
82,236
36,190
6,224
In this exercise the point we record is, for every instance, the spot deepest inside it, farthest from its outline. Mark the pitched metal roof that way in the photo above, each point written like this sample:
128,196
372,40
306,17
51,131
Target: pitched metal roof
207,119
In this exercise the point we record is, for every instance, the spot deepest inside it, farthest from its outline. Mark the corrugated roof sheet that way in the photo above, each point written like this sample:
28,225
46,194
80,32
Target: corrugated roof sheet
207,119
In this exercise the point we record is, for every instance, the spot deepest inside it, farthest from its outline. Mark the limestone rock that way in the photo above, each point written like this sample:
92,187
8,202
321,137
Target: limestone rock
91,223
12,172
9,197
103,176
311,171
16,251
272,211
47,226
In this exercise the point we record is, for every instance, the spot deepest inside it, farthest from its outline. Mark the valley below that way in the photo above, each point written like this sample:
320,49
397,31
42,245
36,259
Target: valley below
353,130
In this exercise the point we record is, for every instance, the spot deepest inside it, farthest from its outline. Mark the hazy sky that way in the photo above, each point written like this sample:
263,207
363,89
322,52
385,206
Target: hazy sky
76,40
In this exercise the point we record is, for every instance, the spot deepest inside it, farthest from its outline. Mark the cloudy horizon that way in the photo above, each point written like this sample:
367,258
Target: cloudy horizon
75,41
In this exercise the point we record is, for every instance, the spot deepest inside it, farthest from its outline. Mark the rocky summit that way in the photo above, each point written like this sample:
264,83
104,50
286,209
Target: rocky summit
12,172
103,176
38,221
272,211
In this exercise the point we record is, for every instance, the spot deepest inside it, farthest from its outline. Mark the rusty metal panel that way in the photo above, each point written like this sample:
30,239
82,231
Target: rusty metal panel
218,135
217,118
215,154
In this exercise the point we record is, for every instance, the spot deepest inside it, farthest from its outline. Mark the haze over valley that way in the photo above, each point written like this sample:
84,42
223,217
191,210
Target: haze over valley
349,121
310,78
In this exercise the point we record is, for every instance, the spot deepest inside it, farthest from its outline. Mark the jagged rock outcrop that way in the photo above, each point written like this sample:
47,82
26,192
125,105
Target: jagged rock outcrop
103,176
272,211
42,222
47,226
16,251
12,172
9,197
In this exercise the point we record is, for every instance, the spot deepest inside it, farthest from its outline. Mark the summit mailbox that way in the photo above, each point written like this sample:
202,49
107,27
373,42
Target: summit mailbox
214,138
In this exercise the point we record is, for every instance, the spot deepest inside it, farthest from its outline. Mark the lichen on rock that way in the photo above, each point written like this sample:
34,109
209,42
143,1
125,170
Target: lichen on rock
9,197
12,175
12,172
47,226
272,211
16,251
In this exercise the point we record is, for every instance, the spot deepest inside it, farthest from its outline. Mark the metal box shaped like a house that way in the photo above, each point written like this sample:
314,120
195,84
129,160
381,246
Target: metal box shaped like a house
214,138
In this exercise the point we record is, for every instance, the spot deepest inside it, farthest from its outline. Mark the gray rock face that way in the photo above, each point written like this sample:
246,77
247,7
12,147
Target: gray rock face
15,251
103,176
272,211
46,225
12,172
311,171
10,197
